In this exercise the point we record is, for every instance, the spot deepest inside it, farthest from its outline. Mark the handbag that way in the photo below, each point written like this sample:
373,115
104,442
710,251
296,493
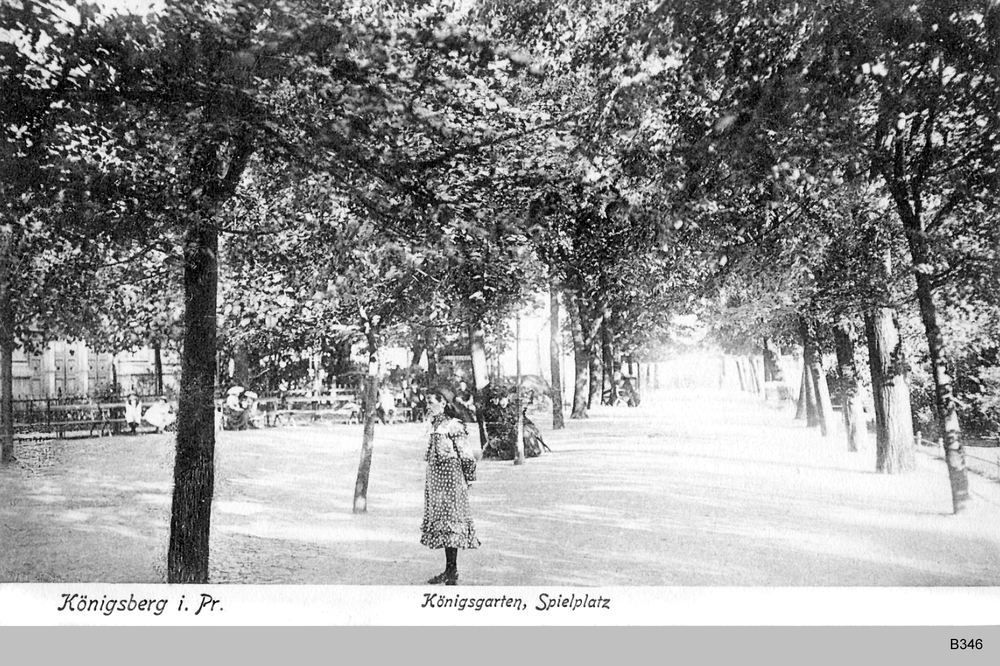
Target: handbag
468,464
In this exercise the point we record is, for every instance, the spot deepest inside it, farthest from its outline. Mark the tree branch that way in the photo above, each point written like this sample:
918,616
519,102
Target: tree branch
468,150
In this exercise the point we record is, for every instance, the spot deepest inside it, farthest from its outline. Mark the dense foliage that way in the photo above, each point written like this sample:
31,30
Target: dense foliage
281,178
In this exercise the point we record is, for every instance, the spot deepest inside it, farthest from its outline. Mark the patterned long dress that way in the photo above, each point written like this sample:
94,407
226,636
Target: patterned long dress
447,517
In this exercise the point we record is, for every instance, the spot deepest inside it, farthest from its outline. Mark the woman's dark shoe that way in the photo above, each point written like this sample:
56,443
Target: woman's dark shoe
447,577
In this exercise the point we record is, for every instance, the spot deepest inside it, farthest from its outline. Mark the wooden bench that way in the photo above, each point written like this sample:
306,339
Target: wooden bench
338,405
399,415
342,414
102,425
91,417
291,416
282,416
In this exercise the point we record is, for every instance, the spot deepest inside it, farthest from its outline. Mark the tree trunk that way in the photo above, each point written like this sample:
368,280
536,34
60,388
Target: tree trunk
814,361
157,368
480,378
6,347
812,398
906,192
616,373
555,358
241,367
371,415
609,392
496,372
772,366
806,405
740,374
581,361
342,357
800,403
944,396
894,447
591,320
6,372
595,374
316,363
755,383
194,473
812,408
639,388
430,344
417,350
850,394
519,435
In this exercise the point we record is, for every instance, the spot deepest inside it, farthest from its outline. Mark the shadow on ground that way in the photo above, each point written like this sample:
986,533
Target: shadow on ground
698,489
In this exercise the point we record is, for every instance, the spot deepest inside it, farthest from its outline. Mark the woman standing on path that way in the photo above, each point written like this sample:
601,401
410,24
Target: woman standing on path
447,518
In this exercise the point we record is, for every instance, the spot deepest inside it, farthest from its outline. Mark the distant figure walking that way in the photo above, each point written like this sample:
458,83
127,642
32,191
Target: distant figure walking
447,517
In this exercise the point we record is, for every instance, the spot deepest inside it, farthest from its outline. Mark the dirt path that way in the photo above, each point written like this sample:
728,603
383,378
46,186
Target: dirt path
690,490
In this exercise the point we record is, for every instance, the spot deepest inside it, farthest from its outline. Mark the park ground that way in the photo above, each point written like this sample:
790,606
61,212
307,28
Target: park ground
690,489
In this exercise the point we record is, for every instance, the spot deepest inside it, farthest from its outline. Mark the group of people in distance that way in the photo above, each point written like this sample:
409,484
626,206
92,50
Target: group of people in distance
501,408
237,414
160,414
411,397
499,404
240,409
447,519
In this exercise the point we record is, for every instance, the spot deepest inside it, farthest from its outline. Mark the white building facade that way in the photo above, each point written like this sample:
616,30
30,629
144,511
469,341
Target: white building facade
71,369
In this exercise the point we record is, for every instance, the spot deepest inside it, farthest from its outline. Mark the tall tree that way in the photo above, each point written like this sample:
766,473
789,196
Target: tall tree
895,450
933,67
581,358
850,394
59,168
313,87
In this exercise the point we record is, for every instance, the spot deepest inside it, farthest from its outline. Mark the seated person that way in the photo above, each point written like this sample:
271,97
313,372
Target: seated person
237,416
248,402
386,408
501,416
159,415
418,405
133,412
463,397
